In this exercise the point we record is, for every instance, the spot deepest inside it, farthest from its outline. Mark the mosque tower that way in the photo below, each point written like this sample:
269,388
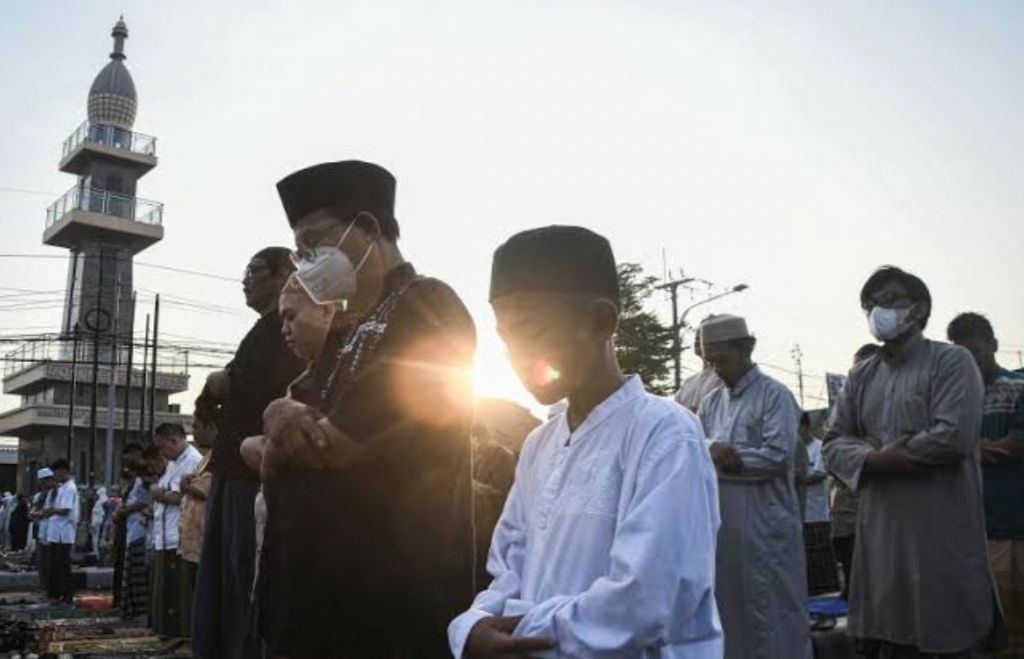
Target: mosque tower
103,223
101,220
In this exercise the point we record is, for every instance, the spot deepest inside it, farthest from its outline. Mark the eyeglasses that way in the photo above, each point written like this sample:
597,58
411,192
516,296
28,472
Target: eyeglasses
307,254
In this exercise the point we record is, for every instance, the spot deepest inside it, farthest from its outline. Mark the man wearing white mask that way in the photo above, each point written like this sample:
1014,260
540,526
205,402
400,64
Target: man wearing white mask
368,549
904,435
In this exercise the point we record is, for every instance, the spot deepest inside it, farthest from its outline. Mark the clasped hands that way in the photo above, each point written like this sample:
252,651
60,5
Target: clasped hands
296,435
726,458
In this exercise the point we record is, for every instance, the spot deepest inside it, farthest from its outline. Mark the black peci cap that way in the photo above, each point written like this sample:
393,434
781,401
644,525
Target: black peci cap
334,183
555,259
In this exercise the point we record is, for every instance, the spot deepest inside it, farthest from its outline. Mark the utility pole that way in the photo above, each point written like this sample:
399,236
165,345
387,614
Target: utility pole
108,462
677,350
128,373
798,360
142,404
99,314
679,320
152,387
71,397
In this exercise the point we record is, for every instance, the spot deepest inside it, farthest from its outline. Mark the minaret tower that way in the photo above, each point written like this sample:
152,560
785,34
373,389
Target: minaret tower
67,408
101,220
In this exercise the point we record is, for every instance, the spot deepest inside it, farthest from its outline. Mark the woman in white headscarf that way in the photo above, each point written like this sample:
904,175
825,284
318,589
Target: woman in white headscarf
99,513
7,504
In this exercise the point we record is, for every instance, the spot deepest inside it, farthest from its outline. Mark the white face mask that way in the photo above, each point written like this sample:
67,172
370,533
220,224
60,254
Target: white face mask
886,324
327,274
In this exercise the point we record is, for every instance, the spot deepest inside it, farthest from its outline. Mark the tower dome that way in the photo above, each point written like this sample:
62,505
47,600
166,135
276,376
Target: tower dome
112,99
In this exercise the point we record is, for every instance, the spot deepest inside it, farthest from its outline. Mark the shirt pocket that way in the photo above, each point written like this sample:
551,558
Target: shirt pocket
749,432
912,414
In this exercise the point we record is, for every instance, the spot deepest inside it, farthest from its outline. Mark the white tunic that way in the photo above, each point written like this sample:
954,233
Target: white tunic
61,528
762,579
167,516
607,540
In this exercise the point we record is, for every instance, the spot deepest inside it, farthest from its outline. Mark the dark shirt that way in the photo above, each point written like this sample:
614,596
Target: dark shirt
377,556
1003,415
260,372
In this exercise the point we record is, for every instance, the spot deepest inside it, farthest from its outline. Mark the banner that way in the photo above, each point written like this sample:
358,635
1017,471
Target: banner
834,382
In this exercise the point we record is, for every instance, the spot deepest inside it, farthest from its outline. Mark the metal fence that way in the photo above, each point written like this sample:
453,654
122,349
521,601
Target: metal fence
58,350
110,136
105,203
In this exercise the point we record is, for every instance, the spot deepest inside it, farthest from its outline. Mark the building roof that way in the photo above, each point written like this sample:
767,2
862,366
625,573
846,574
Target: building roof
112,97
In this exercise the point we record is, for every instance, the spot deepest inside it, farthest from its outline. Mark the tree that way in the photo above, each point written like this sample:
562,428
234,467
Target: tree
643,343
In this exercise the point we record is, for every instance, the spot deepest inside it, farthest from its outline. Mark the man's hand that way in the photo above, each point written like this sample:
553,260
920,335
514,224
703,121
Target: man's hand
293,436
1007,449
726,458
895,460
186,481
492,638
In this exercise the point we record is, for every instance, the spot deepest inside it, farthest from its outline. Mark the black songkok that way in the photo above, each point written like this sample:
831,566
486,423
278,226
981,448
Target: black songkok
555,259
368,186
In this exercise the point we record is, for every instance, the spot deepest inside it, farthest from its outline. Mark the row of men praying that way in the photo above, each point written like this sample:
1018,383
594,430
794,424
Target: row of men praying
340,517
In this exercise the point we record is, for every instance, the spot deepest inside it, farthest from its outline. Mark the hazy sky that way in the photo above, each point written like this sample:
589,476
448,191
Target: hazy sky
792,146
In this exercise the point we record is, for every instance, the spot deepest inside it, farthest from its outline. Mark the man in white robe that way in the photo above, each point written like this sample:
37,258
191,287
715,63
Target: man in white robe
606,544
751,422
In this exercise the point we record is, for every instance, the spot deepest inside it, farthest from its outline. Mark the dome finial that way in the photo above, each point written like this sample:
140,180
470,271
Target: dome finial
120,33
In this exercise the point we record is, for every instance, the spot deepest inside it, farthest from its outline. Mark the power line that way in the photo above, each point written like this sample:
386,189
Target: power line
27,191
156,266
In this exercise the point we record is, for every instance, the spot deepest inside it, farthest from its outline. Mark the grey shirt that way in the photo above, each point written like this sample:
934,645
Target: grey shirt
921,574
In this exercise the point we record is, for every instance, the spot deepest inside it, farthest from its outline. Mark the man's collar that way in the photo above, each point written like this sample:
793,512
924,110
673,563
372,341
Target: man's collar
900,351
744,382
632,388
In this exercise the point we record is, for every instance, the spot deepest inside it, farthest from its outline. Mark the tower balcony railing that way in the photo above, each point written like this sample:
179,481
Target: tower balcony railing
105,202
109,136
55,349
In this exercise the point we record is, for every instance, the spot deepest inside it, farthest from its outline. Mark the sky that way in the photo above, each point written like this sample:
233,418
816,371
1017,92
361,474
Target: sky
790,146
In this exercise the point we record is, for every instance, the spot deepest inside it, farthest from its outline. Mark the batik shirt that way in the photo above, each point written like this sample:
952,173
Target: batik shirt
1003,415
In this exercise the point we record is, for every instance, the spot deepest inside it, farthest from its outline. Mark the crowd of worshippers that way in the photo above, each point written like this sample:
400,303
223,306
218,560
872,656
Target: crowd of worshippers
150,537
348,505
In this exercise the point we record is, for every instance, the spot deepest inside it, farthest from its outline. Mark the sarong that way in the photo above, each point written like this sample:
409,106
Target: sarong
135,595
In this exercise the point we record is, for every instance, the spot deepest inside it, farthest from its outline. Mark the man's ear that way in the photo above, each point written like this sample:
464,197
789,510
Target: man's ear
604,319
368,223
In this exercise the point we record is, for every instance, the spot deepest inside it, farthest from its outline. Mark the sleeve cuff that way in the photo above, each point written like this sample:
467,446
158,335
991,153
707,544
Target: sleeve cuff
458,630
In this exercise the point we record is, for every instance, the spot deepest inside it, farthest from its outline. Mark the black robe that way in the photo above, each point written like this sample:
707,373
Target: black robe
375,558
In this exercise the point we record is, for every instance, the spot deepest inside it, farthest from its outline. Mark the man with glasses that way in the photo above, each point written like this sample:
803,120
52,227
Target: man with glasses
368,549
904,435
259,372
